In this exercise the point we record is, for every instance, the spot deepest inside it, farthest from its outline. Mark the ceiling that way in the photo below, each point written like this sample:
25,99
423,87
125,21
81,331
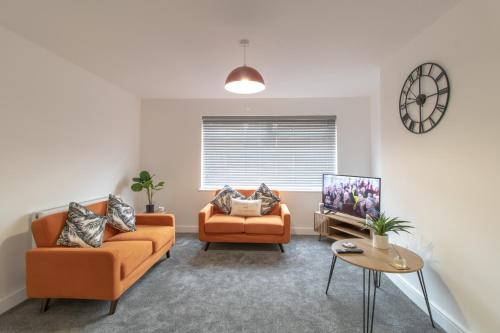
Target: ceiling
185,48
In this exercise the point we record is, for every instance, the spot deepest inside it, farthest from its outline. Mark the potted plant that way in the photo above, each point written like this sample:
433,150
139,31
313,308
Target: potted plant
381,226
145,182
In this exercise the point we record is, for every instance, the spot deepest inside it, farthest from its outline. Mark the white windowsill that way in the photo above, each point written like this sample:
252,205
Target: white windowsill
307,190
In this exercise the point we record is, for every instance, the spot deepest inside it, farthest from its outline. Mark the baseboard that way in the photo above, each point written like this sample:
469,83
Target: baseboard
303,231
441,317
186,229
12,300
194,229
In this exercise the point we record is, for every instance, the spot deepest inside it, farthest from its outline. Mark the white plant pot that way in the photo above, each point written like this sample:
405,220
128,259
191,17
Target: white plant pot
380,242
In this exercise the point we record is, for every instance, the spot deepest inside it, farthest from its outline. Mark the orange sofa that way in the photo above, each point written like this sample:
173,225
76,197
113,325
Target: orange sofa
217,227
103,273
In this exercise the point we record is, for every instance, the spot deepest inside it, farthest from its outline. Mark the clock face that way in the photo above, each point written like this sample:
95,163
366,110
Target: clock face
424,98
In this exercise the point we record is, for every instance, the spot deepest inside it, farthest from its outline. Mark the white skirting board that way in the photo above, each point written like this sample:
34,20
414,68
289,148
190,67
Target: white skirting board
12,300
441,317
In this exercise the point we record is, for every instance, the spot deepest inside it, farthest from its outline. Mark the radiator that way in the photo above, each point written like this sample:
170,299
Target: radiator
45,212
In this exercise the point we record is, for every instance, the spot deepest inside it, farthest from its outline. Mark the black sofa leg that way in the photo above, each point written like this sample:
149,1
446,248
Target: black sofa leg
168,254
44,305
281,248
207,245
113,306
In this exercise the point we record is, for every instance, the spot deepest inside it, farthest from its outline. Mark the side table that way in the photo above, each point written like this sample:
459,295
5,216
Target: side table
376,262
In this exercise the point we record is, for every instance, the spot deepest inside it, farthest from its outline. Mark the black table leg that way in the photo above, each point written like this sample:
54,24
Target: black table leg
424,291
334,260
368,307
377,278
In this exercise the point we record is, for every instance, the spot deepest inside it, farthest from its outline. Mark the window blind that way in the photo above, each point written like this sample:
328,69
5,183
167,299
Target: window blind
286,153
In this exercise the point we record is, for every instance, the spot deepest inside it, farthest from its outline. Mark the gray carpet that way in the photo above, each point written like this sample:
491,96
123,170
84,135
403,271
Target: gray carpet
233,288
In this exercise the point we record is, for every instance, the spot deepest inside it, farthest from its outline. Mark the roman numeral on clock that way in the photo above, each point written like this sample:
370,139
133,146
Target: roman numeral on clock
439,76
405,117
440,108
443,91
411,126
419,71
432,122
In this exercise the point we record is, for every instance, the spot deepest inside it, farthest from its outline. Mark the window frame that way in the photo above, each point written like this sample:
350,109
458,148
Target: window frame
204,188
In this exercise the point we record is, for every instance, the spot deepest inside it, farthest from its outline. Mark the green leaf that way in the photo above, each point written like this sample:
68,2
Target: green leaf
136,187
162,183
145,176
137,179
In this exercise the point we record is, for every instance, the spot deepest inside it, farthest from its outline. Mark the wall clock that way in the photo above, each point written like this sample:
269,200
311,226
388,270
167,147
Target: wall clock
424,98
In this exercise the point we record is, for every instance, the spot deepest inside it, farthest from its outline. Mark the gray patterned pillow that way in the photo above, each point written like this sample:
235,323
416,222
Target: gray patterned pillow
223,198
83,228
269,199
120,215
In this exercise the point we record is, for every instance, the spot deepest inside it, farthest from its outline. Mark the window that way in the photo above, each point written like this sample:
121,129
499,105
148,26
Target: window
287,153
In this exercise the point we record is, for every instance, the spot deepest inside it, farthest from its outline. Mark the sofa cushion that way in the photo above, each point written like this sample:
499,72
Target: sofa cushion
121,216
131,254
83,228
159,235
269,199
244,207
224,224
222,199
264,225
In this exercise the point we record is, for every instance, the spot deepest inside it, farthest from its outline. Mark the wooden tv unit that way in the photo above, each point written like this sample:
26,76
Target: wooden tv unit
338,226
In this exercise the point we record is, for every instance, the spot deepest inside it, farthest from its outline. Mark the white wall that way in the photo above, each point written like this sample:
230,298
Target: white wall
446,181
65,135
171,147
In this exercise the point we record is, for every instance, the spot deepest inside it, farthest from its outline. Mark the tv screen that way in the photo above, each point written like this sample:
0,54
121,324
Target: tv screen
356,196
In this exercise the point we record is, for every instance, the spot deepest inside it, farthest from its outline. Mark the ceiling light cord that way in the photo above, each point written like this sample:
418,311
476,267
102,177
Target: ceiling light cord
244,43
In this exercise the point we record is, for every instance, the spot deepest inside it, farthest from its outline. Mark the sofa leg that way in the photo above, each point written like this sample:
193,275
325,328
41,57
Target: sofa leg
44,305
113,306
281,248
207,245
168,254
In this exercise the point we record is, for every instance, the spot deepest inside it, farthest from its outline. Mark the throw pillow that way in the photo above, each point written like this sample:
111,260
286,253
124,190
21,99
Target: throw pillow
83,228
120,215
269,199
244,207
223,198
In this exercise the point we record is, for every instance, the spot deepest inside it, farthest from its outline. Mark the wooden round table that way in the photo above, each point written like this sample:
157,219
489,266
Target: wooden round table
376,262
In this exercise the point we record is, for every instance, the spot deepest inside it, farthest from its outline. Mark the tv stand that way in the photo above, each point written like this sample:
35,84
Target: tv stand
338,226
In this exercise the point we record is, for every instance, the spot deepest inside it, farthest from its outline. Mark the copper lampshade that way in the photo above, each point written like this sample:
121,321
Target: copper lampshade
244,79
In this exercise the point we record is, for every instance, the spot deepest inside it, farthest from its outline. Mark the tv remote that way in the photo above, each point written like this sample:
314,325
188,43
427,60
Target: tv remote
344,251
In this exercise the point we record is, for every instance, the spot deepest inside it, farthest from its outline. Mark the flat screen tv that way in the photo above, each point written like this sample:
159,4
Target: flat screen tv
352,195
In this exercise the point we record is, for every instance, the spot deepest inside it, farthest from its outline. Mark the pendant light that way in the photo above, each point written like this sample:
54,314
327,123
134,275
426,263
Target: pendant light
244,79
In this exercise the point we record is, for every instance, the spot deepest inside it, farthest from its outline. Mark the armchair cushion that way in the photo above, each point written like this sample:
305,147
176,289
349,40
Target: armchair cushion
121,216
220,223
130,254
223,199
158,235
265,225
83,228
269,199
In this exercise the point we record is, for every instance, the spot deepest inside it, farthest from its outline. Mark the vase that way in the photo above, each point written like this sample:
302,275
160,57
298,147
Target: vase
150,208
380,242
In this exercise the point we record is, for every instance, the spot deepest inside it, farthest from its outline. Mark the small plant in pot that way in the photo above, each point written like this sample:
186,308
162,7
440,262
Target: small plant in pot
145,182
382,225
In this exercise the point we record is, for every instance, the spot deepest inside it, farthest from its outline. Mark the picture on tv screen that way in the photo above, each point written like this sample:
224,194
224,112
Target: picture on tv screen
357,196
